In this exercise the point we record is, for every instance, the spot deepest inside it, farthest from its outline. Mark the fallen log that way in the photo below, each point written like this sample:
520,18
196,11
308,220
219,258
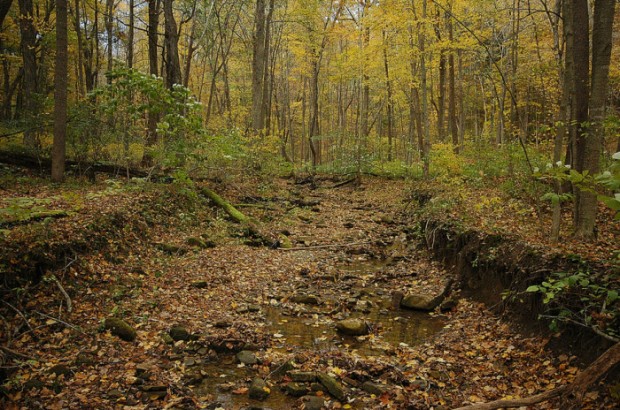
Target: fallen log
34,216
251,225
569,393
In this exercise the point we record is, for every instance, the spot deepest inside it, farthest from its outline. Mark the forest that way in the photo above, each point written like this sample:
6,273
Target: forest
275,204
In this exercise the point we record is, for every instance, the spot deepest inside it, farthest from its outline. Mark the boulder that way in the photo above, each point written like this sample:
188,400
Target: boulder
296,389
352,327
258,389
304,377
246,357
313,402
305,299
178,332
420,302
120,328
333,387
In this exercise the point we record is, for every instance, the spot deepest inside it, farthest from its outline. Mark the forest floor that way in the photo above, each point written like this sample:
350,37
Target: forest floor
197,296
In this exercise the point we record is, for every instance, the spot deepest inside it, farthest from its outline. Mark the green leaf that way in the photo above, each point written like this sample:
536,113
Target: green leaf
533,288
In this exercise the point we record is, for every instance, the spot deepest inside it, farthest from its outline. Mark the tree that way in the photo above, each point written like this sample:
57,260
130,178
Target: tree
60,93
590,94
171,45
30,77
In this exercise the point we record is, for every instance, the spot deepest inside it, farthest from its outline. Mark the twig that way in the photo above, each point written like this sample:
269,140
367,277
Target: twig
63,291
20,314
336,245
16,354
594,328
76,328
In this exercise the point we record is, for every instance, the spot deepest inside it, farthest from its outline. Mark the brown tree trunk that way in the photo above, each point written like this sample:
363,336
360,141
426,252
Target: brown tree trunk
109,25
590,140
451,91
258,67
171,43
153,24
390,109
60,93
29,57
130,34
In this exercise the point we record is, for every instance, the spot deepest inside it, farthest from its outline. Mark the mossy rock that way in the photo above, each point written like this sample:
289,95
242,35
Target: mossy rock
199,243
179,333
120,328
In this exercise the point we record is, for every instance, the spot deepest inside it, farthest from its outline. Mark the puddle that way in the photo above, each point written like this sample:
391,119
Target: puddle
313,328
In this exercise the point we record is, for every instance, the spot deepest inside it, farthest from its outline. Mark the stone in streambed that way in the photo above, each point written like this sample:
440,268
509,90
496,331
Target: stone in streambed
305,299
179,333
373,388
313,402
352,327
120,328
333,387
303,377
258,389
296,389
246,357
421,302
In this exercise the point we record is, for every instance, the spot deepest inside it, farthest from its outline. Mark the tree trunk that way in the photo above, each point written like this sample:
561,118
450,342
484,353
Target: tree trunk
109,25
60,93
130,35
152,118
5,6
80,45
29,56
258,67
388,86
451,91
171,42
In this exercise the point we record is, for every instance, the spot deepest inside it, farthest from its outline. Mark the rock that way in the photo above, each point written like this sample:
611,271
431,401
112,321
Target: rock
298,376
420,302
154,387
333,387
247,357
192,378
200,284
178,333
196,242
313,402
171,249
283,368
296,389
259,389
120,328
448,304
84,359
305,299
166,338
397,297
115,394
34,384
373,388
142,371
253,308
285,241
352,327
222,324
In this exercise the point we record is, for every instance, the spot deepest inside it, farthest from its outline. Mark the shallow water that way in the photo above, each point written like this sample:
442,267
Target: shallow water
313,328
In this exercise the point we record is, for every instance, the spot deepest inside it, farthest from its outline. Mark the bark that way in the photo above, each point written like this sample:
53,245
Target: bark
130,35
171,43
452,93
258,67
78,32
29,80
60,93
590,141
388,86
153,23
5,6
109,25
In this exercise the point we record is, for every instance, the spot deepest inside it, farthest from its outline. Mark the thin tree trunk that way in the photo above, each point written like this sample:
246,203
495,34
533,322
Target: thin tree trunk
451,91
80,45
171,40
130,34
60,93
109,21
390,109
29,57
258,67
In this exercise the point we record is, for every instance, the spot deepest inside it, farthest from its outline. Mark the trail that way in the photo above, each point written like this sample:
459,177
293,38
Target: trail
280,308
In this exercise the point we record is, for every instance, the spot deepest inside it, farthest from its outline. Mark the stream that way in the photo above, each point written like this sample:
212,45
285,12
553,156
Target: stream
307,327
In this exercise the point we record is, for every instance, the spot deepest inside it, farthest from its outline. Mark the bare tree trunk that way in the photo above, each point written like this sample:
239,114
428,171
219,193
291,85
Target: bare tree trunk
258,67
109,25
390,109
80,45
590,141
153,23
60,93
130,34
171,42
29,57
451,91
